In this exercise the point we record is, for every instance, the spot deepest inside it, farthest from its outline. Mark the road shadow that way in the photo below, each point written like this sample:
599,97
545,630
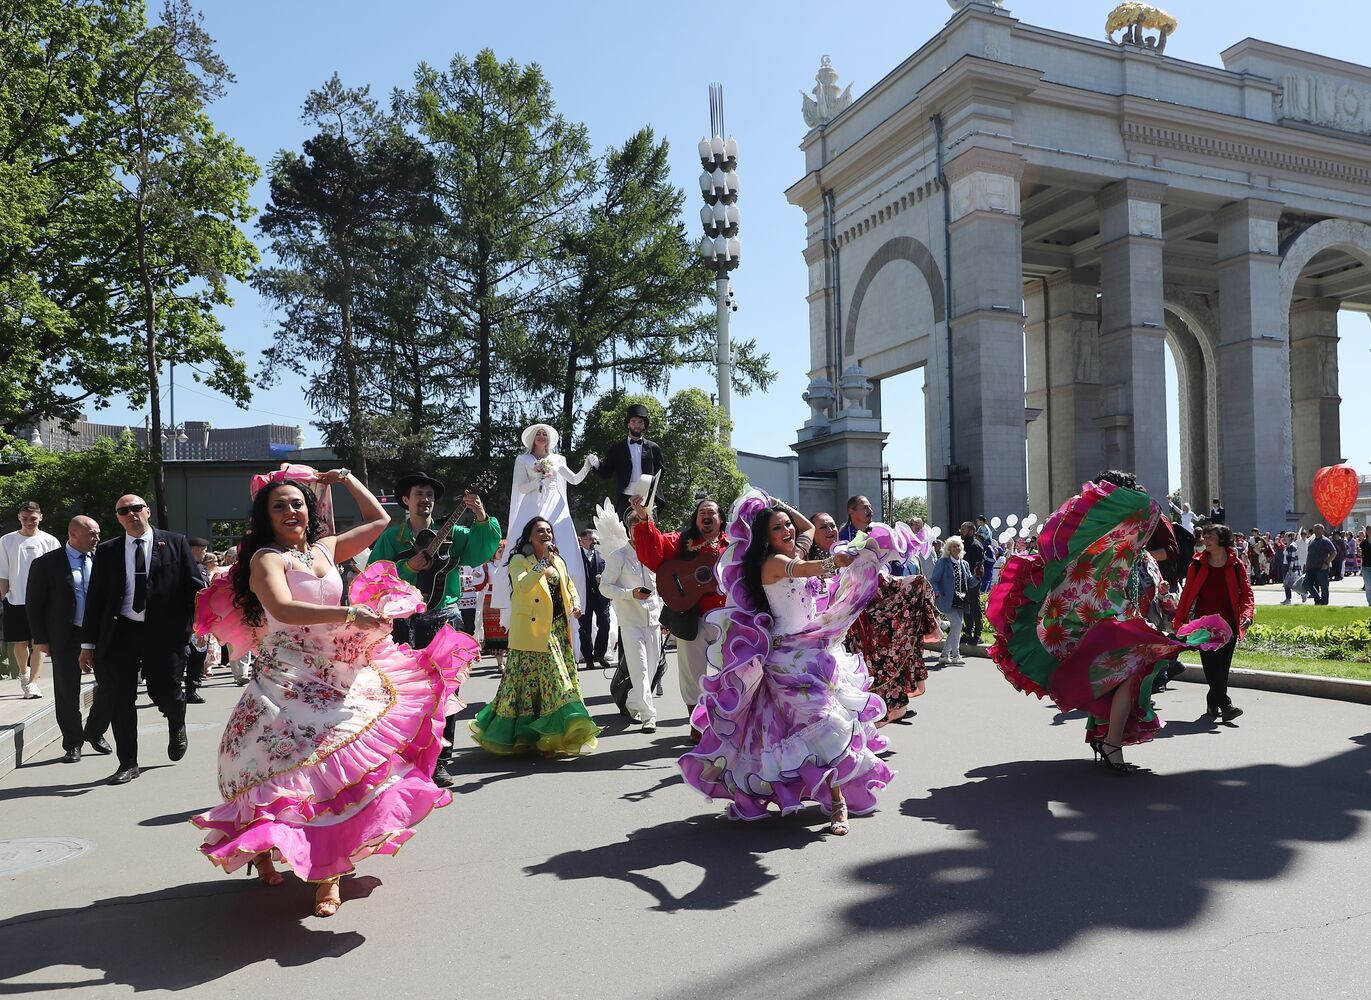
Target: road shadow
172,938
729,854
1065,847
476,762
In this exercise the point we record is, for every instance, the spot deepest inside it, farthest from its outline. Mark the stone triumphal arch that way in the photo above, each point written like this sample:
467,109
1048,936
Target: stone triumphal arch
1035,219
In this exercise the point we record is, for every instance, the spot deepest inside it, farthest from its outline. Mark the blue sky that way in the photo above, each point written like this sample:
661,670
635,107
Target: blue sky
617,66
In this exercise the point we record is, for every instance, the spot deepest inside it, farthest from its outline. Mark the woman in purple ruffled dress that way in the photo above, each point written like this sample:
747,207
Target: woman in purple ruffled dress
788,717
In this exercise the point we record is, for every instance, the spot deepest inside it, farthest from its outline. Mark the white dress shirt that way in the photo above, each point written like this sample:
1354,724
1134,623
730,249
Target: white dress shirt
126,607
635,451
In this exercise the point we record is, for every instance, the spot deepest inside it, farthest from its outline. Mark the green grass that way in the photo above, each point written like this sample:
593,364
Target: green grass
1314,616
1282,664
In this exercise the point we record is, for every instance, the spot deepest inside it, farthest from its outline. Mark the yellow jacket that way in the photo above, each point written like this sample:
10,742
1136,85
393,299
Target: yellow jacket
530,612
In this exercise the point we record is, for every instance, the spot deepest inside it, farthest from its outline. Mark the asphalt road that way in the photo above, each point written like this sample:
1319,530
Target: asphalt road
1002,864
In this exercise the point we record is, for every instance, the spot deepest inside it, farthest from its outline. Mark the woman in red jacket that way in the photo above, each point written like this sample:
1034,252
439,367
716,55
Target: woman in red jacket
1217,584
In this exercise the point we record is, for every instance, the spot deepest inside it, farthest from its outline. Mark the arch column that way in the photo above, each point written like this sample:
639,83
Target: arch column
987,330
1061,335
1254,368
1314,399
1133,330
1194,403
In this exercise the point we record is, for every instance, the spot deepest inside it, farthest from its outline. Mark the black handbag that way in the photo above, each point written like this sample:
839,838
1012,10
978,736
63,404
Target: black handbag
683,625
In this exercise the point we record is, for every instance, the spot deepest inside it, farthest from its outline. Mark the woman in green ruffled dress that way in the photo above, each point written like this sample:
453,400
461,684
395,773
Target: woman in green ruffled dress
538,705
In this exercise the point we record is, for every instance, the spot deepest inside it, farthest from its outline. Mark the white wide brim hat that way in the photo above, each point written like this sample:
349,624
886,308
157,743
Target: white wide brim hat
552,437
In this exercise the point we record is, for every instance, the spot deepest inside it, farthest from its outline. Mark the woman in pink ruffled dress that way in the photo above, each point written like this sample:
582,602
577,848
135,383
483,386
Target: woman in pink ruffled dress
328,757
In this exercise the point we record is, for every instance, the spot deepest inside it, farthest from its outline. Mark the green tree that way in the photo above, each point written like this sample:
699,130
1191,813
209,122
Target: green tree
906,509
182,195
344,218
687,429
59,241
509,168
73,482
629,283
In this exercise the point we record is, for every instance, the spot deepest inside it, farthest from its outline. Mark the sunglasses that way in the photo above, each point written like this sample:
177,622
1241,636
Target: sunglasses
133,508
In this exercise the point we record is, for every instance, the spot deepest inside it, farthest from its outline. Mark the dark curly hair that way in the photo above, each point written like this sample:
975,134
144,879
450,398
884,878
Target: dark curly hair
690,532
1222,532
757,552
1125,479
524,547
261,535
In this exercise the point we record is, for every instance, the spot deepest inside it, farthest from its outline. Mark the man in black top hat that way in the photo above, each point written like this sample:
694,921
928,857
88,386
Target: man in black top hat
630,458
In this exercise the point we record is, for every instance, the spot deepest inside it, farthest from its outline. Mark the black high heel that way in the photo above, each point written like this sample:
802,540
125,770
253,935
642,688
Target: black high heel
1118,766
1098,747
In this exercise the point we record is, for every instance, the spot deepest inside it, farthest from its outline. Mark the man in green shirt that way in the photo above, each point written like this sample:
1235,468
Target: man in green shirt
418,493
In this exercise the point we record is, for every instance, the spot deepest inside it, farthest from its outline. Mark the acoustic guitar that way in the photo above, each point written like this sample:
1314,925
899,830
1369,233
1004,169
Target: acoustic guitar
437,544
682,582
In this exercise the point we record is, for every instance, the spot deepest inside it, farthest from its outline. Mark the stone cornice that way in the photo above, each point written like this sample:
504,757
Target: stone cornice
1309,62
990,161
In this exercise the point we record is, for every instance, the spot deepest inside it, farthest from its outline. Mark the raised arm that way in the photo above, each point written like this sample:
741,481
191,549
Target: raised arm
575,478
374,519
779,567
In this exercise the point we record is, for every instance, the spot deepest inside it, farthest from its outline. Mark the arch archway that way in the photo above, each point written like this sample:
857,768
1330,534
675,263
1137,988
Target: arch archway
900,248
1192,331
1309,328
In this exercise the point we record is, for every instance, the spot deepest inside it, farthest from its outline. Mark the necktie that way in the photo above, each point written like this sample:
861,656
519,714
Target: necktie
140,577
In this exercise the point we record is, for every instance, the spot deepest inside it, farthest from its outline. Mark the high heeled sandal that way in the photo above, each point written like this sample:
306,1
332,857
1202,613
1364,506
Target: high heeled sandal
266,874
327,906
837,820
1117,766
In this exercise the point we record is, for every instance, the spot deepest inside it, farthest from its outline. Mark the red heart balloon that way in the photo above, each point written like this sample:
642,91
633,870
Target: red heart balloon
1335,492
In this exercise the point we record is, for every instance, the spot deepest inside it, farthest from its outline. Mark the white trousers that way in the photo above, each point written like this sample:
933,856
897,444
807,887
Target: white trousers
690,667
642,649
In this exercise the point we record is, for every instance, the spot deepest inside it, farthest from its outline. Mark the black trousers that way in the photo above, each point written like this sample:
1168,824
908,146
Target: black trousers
66,689
195,666
417,632
1216,666
601,648
117,668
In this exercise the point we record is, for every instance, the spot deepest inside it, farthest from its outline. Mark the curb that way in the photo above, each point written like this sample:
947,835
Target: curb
1305,685
20,741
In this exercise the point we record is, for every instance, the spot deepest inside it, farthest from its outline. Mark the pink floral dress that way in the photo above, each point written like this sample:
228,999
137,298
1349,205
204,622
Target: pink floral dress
329,755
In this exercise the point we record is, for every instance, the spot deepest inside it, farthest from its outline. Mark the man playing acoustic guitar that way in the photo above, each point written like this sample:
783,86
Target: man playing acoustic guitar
417,493
684,564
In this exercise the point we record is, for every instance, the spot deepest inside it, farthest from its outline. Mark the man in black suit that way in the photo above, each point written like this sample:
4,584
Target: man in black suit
630,458
56,601
138,617
596,604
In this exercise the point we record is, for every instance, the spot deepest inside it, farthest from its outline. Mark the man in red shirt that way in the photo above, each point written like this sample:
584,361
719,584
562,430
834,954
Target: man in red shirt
654,547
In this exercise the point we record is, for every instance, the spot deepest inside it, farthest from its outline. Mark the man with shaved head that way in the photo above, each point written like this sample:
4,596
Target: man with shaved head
137,619
58,582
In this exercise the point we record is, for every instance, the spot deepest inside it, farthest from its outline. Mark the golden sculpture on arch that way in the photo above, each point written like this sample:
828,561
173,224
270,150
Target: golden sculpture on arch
1135,18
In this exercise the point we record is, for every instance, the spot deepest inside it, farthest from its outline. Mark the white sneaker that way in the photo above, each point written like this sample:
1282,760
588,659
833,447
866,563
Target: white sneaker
24,686
650,726
32,690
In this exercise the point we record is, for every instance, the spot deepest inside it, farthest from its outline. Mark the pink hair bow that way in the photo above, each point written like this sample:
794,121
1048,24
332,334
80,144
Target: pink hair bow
299,473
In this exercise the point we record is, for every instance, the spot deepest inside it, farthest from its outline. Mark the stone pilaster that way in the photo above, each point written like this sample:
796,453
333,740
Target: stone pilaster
986,318
1063,368
1254,369
1133,333
1316,431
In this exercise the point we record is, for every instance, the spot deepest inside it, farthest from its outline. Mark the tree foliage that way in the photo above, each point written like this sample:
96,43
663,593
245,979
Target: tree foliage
905,509
181,196
349,221
101,122
73,482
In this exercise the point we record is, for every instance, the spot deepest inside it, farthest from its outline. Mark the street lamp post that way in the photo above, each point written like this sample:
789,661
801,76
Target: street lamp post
720,245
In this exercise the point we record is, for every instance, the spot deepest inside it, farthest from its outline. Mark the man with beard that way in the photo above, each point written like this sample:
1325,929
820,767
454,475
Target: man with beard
701,538
630,458
418,493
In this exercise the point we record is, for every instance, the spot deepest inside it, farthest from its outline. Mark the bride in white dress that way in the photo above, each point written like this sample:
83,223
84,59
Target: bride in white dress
541,478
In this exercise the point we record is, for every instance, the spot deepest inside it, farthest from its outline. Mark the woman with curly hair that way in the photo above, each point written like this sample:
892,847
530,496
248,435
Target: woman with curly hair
329,755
